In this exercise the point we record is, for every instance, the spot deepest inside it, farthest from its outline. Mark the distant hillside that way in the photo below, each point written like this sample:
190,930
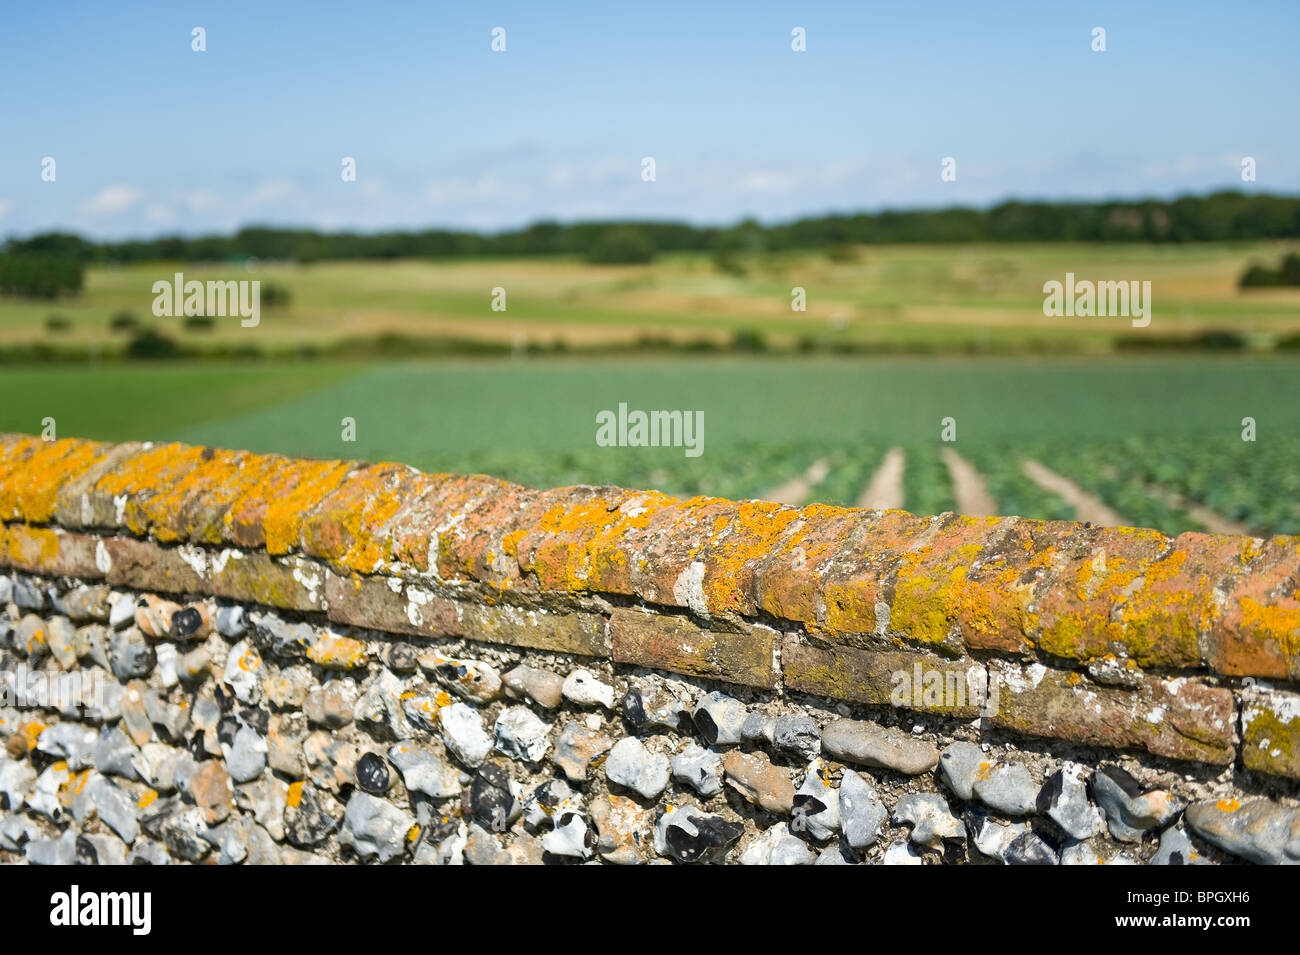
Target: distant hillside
1223,216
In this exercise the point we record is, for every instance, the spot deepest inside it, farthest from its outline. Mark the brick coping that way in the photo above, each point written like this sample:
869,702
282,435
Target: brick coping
1122,637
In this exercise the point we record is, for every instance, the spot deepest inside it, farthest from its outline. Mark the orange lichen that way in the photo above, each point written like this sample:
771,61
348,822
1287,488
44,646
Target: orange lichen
30,491
338,653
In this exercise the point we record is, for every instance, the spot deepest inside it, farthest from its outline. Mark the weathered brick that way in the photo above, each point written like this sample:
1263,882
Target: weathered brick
675,643
931,595
194,507
652,556
290,583
556,535
1090,575
992,596
270,512
735,556
144,565
537,629
1169,616
1258,633
14,450
417,526
30,489
898,678
1177,718
78,507
857,590
387,603
1005,586
52,552
132,486
348,526
1270,731
789,579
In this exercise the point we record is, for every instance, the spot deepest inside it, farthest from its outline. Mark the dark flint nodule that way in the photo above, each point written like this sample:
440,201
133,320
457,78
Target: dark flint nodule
708,729
1029,849
86,854
806,804
1053,786
490,800
256,718
227,727
588,835
634,708
714,834
372,773
186,623
1131,787
547,795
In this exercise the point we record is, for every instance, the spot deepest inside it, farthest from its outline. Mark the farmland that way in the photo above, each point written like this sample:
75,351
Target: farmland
1157,440
899,297
1046,416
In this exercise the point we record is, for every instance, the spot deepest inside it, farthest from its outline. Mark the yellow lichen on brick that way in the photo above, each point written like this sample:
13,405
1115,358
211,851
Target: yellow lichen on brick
929,594
213,471
299,486
1279,624
33,548
31,491
751,534
579,538
145,476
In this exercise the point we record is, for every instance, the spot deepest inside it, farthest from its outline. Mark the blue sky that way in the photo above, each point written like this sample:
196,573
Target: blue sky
150,137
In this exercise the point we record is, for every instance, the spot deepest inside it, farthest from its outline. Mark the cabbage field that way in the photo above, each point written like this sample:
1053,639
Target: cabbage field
1157,440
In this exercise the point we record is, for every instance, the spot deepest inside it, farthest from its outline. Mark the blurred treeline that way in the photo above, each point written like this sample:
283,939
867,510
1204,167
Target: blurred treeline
1223,216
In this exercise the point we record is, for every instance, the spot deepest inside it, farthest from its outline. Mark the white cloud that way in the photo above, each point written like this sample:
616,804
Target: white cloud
269,193
202,201
159,214
111,200
484,189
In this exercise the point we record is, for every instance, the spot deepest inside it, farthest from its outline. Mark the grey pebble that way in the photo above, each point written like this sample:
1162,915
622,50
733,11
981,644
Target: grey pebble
1064,799
931,820
521,734
630,764
1176,848
1257,830
1007,788
699,768
374,827
878,746
862,813
816,804
719,719
1129,811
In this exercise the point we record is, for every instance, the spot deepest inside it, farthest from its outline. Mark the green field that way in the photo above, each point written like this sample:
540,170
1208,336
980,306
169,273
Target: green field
1114,426
981,297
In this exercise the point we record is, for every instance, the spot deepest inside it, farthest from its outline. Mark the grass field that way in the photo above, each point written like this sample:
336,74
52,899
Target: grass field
967,297
1115,427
